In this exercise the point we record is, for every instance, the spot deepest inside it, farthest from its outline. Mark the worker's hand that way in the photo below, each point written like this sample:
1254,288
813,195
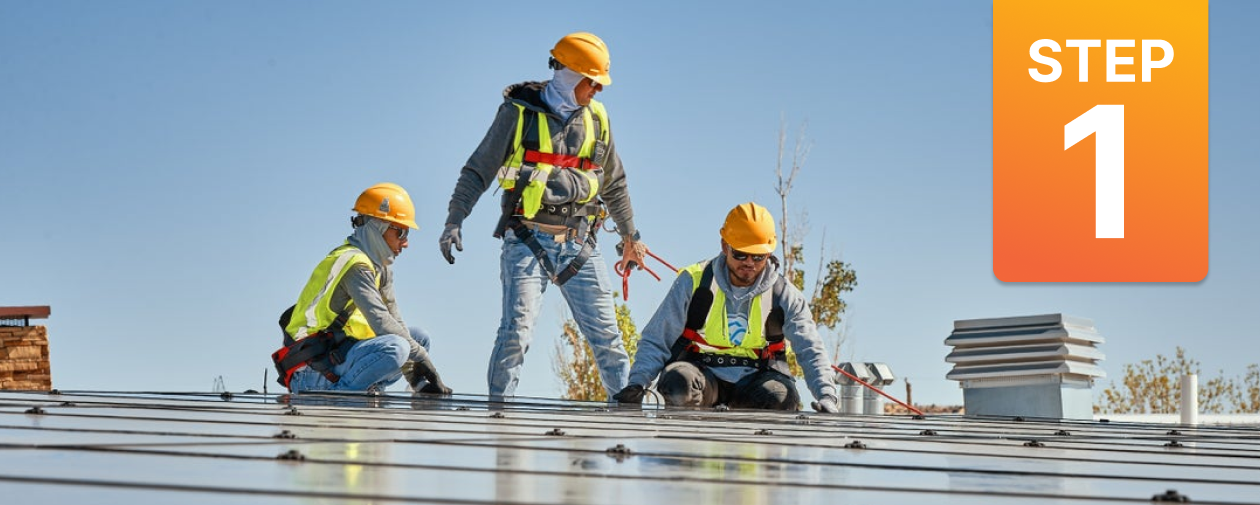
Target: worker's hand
630,394
423,371
450,236
632,252
826,405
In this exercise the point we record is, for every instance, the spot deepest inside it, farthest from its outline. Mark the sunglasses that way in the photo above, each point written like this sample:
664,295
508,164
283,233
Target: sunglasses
741,256
402,232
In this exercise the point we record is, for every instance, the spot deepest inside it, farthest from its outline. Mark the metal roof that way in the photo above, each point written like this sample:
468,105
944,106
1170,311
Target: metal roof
190,448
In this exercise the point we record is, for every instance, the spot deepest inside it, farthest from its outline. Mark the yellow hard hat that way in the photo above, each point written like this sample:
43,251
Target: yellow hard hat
585,54
750,228
387,201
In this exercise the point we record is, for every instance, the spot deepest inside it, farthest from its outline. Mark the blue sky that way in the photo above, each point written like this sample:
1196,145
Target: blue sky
173,170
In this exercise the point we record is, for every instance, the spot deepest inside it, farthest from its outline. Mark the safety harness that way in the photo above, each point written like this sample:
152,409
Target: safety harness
532,163
687,347
321,351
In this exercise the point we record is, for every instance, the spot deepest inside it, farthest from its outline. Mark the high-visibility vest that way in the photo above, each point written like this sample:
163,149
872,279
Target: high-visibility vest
544,161
312,314
715,332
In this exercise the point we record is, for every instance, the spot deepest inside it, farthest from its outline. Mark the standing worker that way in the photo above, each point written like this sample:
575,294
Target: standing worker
345,332
551,150
718,337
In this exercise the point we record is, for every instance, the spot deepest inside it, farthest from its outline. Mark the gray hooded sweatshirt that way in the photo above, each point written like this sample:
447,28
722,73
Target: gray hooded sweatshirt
667,325
482,167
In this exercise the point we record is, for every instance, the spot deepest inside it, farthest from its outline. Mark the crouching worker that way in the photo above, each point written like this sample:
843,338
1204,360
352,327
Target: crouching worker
718,337
345,333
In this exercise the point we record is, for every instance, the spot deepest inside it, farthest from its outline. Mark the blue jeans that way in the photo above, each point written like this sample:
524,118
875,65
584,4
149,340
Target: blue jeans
372,363
590,298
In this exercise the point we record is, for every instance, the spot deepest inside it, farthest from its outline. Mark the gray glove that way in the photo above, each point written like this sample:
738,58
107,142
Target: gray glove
630,394
826,405
450,236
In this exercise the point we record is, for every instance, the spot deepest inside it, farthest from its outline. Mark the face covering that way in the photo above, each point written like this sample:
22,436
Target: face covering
559,92
370,238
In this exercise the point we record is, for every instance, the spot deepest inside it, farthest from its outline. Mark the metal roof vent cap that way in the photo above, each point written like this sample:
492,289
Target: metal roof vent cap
1035,366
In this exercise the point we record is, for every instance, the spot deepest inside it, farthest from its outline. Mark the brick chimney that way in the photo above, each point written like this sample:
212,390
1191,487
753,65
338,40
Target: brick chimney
24,361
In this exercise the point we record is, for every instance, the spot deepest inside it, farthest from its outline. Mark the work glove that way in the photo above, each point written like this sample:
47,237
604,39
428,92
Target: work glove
826,405
630,394
450,236
423,369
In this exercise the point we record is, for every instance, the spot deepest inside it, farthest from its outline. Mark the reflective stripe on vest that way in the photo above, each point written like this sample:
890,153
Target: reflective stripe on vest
716,331
312,314
531,196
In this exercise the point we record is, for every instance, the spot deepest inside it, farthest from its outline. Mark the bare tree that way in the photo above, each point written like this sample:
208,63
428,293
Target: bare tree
834,277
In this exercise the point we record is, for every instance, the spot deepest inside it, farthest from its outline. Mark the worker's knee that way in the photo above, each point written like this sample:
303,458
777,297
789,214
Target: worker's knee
767,390
682,384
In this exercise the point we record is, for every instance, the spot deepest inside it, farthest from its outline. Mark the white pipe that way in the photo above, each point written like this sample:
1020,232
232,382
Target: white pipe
1190,399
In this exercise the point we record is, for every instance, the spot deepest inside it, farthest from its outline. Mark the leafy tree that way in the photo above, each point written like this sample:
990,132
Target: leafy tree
1154,387
575,365
833,278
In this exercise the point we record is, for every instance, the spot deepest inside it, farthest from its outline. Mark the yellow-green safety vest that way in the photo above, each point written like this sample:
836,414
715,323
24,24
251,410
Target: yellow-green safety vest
716,331
312,314
531,196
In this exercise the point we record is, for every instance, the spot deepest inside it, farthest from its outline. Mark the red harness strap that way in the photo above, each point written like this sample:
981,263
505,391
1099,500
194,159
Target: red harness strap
559,160
766,352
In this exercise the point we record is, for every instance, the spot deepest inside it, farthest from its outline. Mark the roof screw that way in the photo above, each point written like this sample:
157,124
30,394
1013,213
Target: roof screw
35,410
1171,495
292,455
856,444
1063,433
763,432
54,391
293,411
462,407
67,404
721,408
1019,419
1174,432
1104,420
1034,443
284,434
918,417
555,432
226,396
497,415
928,433
620,451
1174,444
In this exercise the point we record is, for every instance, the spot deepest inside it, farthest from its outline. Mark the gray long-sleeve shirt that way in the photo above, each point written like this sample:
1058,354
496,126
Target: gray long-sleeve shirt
670,318
378,305
480,171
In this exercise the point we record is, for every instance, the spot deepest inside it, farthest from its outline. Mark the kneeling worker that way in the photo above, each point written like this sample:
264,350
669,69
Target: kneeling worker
718,337
345,332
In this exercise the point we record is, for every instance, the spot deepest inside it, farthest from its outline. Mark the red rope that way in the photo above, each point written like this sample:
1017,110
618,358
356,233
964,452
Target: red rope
875,389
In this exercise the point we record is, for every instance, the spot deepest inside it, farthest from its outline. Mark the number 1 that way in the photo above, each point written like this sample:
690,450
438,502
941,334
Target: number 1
1108,122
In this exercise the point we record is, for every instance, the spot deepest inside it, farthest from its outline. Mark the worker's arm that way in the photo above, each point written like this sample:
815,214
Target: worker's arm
661,332
480,170
360,284
615,192
800,330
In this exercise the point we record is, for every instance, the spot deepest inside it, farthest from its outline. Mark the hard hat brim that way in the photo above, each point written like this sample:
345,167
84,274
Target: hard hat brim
755,248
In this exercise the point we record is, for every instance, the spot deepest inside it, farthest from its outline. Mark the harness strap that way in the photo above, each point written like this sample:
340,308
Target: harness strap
320,351
560,160
560,277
